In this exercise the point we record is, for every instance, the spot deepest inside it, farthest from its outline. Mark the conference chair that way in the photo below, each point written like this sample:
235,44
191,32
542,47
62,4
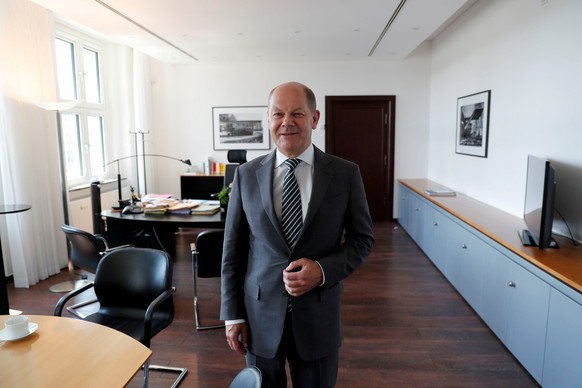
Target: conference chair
206,263
134,290
237,156
85,251
249,377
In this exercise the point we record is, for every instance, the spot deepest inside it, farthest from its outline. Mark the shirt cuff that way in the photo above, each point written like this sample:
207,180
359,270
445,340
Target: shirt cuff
233,321
322,274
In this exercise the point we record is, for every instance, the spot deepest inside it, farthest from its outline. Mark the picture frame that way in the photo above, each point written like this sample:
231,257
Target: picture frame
240,127
472,134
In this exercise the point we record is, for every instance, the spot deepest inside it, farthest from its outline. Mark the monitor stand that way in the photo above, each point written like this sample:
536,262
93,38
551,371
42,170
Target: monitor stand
526,238
528,241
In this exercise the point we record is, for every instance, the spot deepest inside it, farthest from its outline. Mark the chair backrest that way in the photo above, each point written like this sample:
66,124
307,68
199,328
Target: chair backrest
237,156
229,171
85,248
209,253
249,377
129,279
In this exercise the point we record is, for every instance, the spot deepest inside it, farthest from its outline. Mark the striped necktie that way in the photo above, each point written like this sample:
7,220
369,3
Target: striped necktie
291,216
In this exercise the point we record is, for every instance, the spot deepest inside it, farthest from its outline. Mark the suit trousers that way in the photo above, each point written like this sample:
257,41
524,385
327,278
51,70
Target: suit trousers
321,373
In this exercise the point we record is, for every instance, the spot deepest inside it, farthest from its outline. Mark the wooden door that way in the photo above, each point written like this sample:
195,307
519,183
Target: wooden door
361,129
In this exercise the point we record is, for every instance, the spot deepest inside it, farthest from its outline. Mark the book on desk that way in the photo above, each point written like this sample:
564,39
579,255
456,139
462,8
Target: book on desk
205,209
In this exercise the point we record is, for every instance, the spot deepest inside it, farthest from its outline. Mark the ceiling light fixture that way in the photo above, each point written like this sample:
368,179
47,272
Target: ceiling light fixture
145,29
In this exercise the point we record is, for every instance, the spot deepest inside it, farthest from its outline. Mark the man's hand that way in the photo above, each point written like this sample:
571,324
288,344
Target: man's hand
301,276
237,337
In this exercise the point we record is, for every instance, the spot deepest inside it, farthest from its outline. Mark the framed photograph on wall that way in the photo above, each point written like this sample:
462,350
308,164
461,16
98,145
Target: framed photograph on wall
240,127
473,124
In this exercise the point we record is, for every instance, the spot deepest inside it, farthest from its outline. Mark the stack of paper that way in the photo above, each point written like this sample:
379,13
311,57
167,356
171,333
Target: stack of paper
183,208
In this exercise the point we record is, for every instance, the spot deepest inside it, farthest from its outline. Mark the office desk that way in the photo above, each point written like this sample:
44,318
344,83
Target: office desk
154,231
67,352
4,305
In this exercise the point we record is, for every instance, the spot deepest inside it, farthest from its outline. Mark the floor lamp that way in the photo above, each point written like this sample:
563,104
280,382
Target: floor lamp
59,107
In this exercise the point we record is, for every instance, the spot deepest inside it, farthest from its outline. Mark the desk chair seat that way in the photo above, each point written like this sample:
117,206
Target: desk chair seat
134,290
206,263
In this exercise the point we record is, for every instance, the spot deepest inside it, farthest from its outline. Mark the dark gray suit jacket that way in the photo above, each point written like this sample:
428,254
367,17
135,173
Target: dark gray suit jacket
256,253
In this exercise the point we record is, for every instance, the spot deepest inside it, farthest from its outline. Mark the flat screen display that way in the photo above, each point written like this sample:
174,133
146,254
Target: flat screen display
539,203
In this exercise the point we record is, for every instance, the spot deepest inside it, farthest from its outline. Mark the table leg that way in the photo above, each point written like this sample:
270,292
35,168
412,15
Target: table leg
4,306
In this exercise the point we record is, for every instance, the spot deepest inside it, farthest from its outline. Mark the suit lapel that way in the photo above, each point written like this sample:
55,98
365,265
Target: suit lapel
322,175
264,176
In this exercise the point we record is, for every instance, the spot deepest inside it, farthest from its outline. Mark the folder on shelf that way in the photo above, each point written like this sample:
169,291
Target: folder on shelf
440,193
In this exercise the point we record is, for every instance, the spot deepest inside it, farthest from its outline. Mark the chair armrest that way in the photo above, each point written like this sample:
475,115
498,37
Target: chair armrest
103,239
64,299
152,307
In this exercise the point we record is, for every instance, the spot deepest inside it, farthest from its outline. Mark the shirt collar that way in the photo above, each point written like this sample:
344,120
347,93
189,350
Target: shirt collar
306,157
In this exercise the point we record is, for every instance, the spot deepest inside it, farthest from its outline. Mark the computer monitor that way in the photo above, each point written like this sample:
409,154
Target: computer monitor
538,211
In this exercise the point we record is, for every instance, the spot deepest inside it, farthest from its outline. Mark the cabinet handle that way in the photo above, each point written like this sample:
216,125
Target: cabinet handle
436,223
464,246
511,284
83,207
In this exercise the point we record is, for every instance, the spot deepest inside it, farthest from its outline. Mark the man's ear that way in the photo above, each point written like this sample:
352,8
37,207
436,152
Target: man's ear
315,119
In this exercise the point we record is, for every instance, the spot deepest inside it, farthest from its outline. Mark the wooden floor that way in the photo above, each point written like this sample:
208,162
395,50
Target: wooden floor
404,326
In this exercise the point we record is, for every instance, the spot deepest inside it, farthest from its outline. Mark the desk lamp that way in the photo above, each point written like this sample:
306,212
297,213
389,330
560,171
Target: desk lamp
122,202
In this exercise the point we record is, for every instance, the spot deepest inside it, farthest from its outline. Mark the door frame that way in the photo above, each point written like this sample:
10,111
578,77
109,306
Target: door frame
388,136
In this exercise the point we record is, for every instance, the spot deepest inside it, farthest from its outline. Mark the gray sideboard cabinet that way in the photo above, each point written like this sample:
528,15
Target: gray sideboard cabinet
536,314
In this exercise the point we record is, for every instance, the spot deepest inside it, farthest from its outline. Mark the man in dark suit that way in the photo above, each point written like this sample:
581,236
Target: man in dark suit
281,296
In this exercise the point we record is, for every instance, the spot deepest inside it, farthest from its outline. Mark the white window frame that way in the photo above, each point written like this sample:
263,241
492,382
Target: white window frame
85,109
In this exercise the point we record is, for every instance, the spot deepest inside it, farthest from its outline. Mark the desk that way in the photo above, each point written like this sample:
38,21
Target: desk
66,352
154,231
4,305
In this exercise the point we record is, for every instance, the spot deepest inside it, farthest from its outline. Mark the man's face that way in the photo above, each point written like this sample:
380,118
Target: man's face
291,122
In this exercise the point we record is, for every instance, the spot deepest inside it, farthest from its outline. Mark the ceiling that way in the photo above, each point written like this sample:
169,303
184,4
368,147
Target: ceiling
231,31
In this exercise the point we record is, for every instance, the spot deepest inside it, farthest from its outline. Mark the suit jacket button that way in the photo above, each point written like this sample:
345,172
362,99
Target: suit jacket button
285,293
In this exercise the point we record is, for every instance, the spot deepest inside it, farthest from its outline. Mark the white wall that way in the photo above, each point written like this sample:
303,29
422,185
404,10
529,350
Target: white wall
184,97
530,56
527,53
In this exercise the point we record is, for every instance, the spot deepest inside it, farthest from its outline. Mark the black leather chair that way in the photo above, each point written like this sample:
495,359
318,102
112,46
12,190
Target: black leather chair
229,171
85,251
237,156
134,290
249,377
206,263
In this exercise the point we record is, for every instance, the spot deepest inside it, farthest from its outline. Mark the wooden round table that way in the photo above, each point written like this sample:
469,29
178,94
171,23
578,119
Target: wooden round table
67,352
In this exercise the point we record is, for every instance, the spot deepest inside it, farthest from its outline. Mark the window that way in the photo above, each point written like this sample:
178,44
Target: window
79,77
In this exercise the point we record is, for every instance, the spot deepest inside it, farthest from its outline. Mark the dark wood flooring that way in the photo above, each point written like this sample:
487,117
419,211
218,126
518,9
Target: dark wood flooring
404,326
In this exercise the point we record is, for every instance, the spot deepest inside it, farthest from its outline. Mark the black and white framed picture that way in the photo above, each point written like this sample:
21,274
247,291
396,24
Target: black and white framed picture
473,124
240,127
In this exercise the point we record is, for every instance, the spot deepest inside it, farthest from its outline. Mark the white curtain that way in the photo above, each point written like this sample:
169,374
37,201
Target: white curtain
33,245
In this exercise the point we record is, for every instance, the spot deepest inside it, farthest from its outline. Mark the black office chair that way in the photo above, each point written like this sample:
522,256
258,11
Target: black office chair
134,290
229,171
85,252
249,377
206,263
237,156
